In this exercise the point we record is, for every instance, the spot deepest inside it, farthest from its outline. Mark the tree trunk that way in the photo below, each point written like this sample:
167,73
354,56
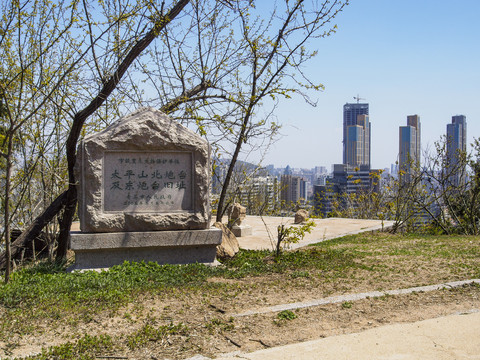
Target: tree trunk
280,238
221,208
81,116
66,223
35,228
8,174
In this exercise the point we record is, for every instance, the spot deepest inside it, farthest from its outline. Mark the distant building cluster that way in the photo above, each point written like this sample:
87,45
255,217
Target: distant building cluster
283,188
355,174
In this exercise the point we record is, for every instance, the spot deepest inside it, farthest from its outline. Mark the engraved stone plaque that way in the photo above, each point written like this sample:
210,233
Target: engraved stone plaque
147,181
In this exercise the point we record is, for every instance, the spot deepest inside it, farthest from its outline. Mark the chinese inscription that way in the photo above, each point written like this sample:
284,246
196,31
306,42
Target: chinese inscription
147,181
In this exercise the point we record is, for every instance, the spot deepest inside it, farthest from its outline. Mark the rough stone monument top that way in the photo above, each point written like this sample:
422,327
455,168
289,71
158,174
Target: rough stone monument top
145,172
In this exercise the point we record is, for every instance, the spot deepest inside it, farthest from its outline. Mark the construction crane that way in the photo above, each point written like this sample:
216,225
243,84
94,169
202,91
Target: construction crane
358,98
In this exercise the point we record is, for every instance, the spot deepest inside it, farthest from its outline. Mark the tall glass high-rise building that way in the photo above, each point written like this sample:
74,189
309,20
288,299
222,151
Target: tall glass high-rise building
456,147
356,135
409,147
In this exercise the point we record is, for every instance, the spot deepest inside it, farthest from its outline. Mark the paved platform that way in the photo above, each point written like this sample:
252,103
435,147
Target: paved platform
264,230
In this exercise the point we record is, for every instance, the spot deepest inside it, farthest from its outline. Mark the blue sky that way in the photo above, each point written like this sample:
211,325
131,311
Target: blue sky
404,57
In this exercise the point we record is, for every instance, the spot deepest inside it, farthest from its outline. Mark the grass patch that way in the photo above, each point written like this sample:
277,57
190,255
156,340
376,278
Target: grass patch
347,304
100,289
251,263
150,333
46,291
222,325
286,315
87,348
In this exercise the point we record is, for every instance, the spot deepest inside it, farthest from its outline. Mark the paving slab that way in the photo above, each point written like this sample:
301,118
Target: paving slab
264,230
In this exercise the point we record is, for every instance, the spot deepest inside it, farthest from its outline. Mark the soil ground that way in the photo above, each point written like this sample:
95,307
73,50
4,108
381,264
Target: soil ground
211,327
203,319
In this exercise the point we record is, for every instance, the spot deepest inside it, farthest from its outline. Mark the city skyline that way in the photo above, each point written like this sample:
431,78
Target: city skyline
427,68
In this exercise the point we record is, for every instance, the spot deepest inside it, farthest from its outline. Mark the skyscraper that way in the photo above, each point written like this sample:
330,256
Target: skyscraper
456,146
356,135
409,147
358,142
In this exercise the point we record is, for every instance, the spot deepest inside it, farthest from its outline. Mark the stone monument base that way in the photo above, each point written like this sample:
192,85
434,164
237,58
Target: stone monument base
241,230
103,250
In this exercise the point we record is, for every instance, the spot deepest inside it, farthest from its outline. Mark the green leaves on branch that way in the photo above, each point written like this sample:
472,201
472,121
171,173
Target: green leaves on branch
287,235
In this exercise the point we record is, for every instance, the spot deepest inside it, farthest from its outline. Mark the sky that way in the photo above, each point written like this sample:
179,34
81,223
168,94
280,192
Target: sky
403,57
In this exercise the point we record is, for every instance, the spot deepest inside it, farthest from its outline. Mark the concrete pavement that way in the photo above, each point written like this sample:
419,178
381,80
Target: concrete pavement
264,230
451,337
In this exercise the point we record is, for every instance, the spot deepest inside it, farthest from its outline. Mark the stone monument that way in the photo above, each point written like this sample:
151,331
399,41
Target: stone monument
236,219
143,194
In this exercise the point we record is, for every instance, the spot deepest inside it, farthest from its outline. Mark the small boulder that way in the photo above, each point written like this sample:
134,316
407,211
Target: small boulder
301,216
229,246
237,214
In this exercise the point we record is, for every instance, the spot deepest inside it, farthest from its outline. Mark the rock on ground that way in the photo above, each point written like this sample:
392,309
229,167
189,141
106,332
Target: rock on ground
229,246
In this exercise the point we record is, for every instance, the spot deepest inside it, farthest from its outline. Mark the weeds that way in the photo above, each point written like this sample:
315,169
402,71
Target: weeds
286,315
347,304
300,274
222,325
87,348
151,333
